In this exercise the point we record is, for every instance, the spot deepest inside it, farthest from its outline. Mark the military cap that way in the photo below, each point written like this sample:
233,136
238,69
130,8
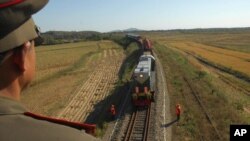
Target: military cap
16,23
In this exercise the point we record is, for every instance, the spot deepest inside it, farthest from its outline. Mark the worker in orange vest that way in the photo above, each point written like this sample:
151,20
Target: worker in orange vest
112,111
178,111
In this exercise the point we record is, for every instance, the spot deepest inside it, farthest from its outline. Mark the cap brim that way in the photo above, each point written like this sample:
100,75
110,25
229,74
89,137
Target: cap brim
23,33
16,24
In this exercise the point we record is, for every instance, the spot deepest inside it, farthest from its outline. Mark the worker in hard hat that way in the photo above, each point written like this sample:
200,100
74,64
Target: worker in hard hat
178,111
112,111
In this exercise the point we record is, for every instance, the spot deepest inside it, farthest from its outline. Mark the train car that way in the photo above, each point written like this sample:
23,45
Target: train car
147,46
144,80
144,76
133,36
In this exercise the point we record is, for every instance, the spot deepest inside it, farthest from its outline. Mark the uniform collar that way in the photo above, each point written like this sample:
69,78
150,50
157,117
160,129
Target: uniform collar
9,106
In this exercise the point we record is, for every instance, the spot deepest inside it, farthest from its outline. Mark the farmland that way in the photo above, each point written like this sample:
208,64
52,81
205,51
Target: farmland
63,70
232,59
206,72
223,99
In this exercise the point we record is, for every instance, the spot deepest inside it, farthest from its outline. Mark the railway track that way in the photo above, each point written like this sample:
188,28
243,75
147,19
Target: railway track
138,125
195,94
222,77
232,84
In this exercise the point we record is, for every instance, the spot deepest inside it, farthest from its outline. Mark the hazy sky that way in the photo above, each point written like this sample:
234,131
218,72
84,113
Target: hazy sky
108,15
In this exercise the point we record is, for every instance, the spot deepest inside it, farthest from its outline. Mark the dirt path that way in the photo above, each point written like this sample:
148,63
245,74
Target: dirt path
96,88
163,129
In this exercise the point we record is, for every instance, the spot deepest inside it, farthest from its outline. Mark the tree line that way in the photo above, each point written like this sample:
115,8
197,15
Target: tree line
60,37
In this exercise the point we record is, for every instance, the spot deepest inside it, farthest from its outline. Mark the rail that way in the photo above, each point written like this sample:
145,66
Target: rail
195,94
138,125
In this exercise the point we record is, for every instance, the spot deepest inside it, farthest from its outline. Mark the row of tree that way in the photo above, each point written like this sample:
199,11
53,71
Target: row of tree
59,37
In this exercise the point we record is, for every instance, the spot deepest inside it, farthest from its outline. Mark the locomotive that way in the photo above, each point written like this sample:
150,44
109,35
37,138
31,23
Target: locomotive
144,76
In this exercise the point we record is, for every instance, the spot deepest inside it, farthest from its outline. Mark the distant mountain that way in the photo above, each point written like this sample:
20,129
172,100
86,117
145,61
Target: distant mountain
116,30
127,30
131,30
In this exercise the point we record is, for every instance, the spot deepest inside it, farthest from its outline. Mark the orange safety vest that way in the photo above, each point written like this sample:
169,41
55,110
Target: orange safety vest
112,110
178,110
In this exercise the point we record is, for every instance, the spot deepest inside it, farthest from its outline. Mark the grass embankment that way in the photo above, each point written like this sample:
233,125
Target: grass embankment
133,53
222,109
118,94
61,69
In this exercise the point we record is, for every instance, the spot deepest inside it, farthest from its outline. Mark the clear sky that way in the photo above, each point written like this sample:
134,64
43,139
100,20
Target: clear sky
108,15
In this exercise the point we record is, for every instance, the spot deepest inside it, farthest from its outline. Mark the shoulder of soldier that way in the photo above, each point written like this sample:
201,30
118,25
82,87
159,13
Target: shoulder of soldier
33,128
57,124
89,128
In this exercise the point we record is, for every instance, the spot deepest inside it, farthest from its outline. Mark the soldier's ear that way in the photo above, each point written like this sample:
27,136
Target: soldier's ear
20,56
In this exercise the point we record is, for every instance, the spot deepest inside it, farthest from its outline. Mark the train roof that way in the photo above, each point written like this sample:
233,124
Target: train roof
144,64
147,56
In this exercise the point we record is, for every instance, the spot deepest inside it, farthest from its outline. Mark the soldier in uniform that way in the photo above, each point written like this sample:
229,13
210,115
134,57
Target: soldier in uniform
17,69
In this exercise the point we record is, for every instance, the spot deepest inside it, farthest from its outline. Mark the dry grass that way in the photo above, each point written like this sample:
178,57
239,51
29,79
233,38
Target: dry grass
61,69
231,40
224,104
56,58
238,61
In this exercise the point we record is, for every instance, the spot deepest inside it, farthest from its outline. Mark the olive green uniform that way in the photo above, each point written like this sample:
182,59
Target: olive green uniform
15,126
16,29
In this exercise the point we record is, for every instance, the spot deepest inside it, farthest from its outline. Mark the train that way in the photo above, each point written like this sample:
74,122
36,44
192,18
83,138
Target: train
144,76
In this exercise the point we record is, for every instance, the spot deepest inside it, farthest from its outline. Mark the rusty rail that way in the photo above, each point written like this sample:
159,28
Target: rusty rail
138,125
195,94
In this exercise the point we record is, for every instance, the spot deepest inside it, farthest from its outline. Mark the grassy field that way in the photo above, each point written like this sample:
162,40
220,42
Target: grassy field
235,60
61,69
232,40
228,51
224,103
58,58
